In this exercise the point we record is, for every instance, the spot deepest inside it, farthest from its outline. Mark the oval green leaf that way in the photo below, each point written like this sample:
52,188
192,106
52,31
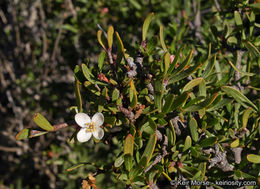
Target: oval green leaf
192,84
129,145
168,103
235,143
187,143
246,116
253,158
128,161
23,134
193,129
148,152
101,59
42,122
119,161
238,19
208,142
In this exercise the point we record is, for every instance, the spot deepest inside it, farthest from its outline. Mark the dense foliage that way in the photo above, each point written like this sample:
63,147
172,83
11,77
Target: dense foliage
180,101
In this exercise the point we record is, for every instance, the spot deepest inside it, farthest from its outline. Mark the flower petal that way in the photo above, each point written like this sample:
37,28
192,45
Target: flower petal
98,133
98,118
81,119
83,135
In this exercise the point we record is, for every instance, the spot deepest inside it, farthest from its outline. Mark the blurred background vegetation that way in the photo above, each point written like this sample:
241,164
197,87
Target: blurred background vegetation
41,41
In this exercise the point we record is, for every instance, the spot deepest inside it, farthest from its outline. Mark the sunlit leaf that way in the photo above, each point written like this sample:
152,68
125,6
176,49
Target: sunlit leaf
187,143
239,97
235,143
162,39
110,34
192,84
100,40
146,25
129,145
253,158
238,19
42,122
246,116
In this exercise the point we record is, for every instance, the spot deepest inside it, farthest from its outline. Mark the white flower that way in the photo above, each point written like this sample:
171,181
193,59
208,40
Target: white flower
89,126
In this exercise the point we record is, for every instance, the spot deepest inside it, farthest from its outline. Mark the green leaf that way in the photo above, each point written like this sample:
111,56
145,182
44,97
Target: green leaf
208,142
166,62
184,74
119,161
239,97
235,143
138,169
132,95
87,73
168,103
252,49
183,65
220,104
253,158
70,28
245,117
110,34
240,71
202,89
173,64
100,39
146,25
42,122
129,145
170,136
115,94
255,5
29,133
193,129
238,19
173,132
158,94
180,100
79,75
187,143
78,95
162,39
152,125
151,45
206,103
148,152
101,59
110,120
75,167
23,134
120,45
128,161
209,67
192,84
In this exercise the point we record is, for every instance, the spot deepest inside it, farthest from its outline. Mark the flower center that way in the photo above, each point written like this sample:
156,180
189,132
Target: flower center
90,127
